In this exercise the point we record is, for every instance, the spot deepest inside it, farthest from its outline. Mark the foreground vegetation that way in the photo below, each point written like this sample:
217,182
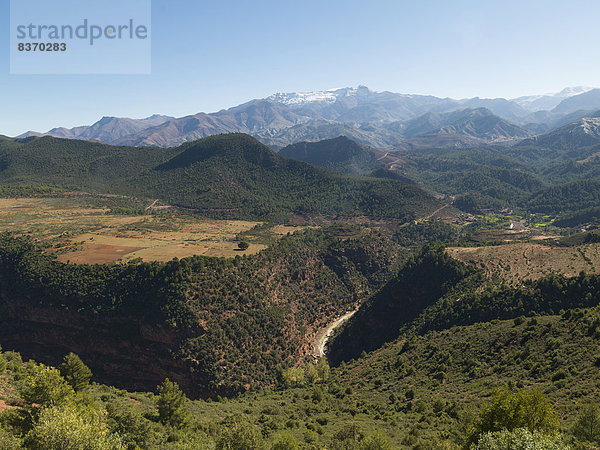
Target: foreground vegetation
496,385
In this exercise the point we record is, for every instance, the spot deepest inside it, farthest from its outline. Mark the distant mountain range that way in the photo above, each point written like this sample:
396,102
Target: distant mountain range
584,132
462,128
375,119
107,129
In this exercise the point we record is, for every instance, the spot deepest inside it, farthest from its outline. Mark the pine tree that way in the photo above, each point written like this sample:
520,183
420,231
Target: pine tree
75,372
171,404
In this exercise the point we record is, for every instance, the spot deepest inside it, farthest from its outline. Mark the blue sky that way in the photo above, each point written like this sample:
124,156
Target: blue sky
209,55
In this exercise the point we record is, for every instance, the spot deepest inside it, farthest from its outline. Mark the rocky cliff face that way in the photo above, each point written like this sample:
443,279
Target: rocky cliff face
121,351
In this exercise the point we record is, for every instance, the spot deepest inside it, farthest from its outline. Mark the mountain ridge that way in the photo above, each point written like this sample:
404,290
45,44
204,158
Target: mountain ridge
375,119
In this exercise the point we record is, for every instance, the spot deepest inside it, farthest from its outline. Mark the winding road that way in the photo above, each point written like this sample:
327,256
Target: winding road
323,336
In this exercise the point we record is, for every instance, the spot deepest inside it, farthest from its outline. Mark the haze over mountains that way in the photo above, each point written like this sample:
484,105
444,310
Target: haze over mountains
549,101
375,119
107,129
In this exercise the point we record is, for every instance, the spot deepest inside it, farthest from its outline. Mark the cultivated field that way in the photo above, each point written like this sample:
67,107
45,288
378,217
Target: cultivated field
82,230
519,261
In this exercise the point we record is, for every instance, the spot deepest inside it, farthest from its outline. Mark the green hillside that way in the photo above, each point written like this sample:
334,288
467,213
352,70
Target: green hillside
230,176
570,197
435,292
75,164
525,178
420,283
340,154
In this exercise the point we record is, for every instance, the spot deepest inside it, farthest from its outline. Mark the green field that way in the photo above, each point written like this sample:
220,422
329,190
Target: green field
85,230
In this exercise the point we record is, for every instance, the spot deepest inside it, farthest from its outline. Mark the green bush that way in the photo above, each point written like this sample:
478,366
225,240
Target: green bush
186,440
3,363
291,377
310,374
8,441
71,428
43,386
519,439
376,441
323,369
348,437
587,426
238,434
135,430
285,441
511,409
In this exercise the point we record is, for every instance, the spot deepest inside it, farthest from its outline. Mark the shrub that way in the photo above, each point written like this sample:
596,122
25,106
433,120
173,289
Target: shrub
44,386
8,441
310,374
70,428
3,364
519,439
185,440
376,441
349,433
13,361
285,441
239,435
440,376
512,409
135,430
317,395
292,377
559,375
323,369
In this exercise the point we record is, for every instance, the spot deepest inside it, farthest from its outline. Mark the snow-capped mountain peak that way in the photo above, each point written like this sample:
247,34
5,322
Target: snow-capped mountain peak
549,101
571,91
327,96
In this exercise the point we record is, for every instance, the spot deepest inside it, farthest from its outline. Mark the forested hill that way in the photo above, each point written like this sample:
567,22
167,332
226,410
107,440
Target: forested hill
232,176
435,292
341,154
425,278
